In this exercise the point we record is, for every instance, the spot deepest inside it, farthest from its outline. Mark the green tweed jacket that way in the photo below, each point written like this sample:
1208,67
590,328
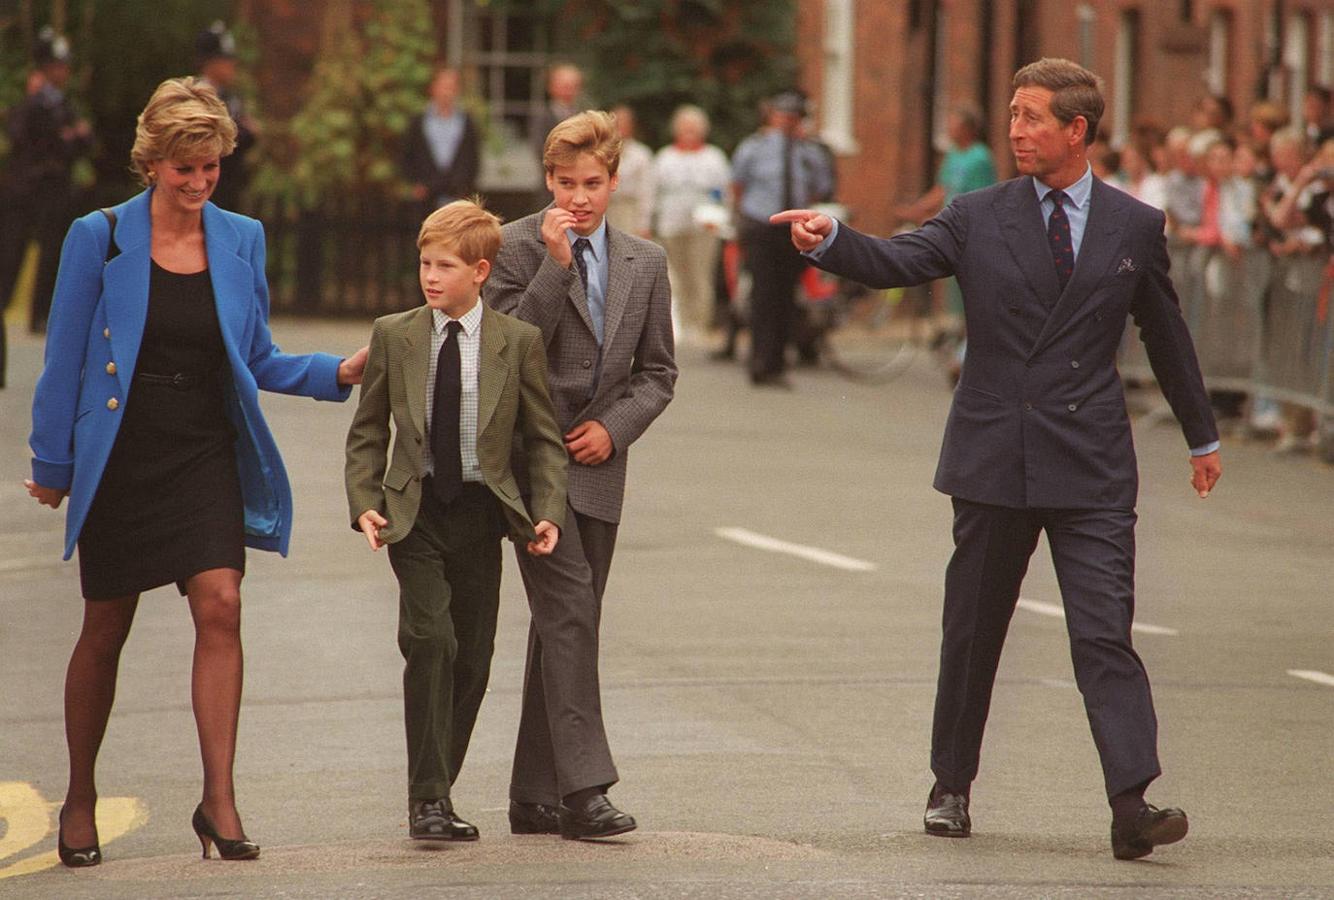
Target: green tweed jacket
513,402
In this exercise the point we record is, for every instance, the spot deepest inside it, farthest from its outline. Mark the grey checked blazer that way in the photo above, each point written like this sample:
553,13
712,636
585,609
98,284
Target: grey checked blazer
638,371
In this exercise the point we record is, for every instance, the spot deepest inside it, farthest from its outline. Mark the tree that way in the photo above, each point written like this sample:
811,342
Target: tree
369,82
723,55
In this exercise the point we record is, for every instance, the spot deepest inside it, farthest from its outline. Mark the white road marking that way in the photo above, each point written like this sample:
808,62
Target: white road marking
1055,611
811,554
18,565
1311,675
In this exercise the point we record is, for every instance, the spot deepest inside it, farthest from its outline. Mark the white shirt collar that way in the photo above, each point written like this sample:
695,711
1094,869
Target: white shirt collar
1076,194
471,320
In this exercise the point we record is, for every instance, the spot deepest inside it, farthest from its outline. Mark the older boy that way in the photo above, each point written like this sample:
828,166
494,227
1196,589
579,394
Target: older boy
459,382
601,298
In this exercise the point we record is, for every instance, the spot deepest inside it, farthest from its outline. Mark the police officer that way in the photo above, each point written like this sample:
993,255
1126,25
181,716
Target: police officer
46,136
215,51
771,167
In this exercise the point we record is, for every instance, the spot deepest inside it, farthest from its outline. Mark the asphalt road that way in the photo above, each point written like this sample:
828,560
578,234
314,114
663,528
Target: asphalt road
769,706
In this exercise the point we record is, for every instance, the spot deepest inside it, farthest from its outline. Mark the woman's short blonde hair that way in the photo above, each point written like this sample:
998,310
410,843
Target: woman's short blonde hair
586,132
184,119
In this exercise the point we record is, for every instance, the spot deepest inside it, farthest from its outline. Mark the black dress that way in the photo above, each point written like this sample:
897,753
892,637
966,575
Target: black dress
169,505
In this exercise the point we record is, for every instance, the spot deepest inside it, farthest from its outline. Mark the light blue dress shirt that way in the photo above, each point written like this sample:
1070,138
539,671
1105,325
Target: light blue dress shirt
757,166
1076,206
443,135
595,261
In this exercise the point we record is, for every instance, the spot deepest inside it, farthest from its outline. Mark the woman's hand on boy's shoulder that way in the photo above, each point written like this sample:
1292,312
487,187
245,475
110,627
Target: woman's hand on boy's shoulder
350,369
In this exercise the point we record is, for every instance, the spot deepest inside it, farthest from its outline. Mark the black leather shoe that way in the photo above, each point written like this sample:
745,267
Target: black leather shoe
533,818
434,820
596,818
947,815
76,857
1136,837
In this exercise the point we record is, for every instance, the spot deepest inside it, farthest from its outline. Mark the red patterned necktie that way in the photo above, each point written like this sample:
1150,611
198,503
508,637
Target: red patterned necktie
1058,235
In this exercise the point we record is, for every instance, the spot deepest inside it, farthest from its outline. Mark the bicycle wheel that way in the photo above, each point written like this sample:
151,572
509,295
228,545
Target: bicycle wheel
873,335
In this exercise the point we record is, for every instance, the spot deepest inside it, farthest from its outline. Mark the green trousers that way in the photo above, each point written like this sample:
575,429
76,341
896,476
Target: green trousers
448,570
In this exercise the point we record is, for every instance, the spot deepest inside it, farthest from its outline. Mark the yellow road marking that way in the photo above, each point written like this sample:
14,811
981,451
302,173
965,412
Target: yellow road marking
27,817
20,803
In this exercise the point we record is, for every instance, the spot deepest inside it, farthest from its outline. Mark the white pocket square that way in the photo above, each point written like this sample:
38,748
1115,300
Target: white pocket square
1127,265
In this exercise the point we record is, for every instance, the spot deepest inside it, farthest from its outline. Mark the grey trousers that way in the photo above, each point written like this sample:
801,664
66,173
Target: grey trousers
562,744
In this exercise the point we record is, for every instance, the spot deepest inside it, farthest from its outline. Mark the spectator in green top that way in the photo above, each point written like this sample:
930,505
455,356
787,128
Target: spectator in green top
966,166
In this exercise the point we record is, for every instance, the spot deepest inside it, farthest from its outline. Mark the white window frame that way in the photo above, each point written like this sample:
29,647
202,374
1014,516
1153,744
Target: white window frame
838,84
1220,50
1127,38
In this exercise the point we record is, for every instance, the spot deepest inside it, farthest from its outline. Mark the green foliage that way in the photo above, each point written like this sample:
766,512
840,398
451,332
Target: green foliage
368,85
723,55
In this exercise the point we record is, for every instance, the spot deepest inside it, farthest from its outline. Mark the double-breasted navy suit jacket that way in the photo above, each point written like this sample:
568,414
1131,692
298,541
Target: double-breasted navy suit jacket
93,336
1039,417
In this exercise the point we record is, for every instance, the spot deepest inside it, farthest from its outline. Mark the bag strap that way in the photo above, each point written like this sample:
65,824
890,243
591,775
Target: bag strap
112,250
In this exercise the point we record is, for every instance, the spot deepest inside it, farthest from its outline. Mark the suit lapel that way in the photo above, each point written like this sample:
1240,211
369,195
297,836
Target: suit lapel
1107,215
416,337
125,285
492,370
1021,223
620,276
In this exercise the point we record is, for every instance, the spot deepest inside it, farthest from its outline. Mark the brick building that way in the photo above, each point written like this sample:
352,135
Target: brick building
885,72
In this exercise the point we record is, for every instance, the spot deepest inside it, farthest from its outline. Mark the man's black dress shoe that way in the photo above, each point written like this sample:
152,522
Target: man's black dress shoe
533,818
595,818
947,815
434,820
1136,837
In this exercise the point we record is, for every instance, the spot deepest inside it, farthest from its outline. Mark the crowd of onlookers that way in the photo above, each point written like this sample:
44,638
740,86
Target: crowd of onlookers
1262,184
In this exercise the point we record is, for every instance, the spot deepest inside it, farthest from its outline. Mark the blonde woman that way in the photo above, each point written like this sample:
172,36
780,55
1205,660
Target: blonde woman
157,438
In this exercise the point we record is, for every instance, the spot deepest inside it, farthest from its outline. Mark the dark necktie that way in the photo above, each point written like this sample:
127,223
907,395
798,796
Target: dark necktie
789,195
1058,235
580,245
448,478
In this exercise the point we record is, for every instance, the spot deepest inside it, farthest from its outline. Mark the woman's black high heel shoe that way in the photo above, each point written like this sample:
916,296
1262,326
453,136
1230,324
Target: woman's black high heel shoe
242,849
76,857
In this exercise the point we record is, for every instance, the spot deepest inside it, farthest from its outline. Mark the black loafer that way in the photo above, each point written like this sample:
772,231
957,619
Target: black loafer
1135,837
947,815
533,818
596,818
434,820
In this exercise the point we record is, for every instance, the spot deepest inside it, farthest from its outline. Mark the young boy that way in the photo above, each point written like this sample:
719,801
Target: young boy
601,298
459,381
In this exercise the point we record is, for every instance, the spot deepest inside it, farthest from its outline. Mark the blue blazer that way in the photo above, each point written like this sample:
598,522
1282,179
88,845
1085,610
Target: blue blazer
1039,416
92,344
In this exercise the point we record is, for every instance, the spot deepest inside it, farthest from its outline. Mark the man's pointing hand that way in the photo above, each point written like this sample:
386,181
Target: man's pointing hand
809,228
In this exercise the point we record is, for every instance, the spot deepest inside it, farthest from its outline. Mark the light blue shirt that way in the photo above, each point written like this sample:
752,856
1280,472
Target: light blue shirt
757,166
595,260
1076,205
443,136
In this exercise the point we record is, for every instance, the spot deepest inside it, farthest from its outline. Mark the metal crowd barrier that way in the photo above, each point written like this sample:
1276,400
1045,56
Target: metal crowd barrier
1263,325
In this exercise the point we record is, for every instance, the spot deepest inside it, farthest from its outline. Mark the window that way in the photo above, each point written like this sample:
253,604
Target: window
506,47
1127,61
1220,50
1087,17
1326,66
837,100
1297,61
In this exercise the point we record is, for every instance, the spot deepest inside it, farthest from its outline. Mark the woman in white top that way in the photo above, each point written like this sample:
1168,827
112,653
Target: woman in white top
691,176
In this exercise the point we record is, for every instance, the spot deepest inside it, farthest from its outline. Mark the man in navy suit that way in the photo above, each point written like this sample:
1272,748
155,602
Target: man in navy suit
1038,439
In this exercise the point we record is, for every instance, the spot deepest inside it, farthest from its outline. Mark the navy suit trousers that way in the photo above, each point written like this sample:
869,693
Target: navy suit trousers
1093,551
